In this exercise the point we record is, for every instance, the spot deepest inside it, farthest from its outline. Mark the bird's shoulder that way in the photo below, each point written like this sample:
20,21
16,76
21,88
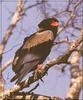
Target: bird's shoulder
37,39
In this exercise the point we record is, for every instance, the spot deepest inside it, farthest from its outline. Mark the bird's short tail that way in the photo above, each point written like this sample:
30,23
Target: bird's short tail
14,78
18,78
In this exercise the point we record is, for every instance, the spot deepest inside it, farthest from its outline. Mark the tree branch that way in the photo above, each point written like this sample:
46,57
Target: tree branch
76,82
16,17
8,63
30,96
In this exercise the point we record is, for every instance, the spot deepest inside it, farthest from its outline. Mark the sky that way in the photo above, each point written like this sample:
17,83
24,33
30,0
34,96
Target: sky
55,83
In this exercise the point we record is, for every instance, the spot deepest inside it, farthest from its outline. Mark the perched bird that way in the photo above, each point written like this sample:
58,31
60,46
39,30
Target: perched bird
35,49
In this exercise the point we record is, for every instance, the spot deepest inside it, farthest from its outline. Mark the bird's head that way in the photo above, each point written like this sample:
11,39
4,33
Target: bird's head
49,24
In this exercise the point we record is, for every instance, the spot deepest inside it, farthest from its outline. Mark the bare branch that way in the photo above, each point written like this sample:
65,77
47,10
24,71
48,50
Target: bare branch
76,82
34,5
72,16
16,17
31,96
6,65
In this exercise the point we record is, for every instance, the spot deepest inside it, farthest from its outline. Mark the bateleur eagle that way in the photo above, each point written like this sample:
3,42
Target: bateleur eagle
35,49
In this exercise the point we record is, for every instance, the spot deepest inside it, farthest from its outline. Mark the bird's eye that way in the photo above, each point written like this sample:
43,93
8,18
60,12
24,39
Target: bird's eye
54,23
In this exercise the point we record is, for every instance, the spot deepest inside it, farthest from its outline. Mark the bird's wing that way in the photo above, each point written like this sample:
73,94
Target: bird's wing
37,39
30,42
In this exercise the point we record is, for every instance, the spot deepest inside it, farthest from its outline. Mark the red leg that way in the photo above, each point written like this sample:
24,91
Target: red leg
39,67
38,70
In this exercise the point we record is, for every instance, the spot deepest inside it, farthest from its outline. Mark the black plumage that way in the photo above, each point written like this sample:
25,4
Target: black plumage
35,49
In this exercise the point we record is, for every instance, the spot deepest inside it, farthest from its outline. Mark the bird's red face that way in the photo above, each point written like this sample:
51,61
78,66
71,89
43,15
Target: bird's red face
54,23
